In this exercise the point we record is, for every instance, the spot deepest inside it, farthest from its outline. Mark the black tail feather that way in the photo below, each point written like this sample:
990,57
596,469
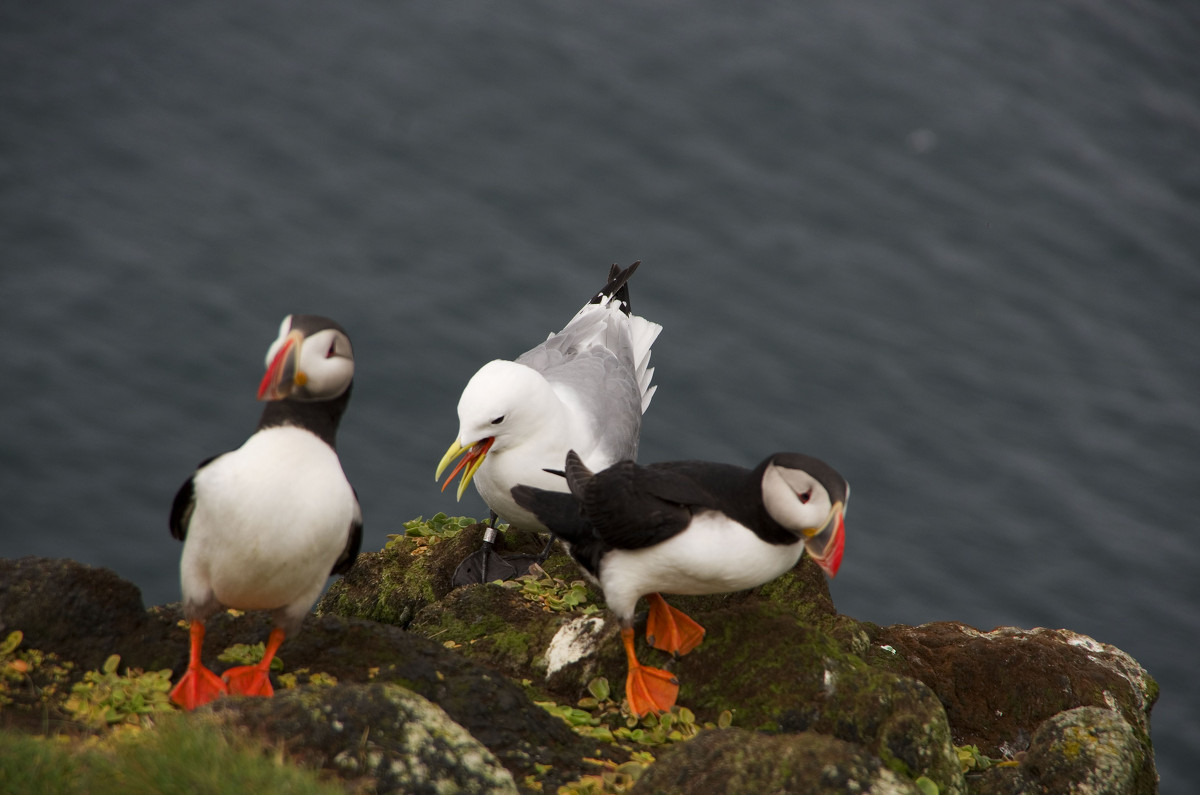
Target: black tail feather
617,286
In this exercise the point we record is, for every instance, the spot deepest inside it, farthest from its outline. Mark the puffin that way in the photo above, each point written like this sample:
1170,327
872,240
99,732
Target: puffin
689,527
264,526
584,388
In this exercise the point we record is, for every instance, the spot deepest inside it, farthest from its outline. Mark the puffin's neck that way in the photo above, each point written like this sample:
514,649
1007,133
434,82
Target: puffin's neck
319,416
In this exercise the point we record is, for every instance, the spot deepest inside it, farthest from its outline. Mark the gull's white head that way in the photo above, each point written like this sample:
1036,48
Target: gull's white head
503,405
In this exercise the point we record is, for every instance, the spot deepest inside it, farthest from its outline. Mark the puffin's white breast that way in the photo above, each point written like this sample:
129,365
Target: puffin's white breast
713,555
271,519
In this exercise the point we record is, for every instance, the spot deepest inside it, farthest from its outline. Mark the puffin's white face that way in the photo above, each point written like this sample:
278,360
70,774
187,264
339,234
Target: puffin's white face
804,504
317,366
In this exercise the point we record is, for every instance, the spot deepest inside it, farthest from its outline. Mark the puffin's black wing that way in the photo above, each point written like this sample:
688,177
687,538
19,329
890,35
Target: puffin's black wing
353,543
556,510
185,503
632,507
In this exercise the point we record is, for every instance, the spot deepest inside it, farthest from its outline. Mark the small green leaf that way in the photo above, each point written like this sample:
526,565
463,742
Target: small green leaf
599,688
927,786
11,643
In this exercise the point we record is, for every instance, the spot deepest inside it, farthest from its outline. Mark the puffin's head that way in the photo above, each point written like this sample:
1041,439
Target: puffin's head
808,497
311,359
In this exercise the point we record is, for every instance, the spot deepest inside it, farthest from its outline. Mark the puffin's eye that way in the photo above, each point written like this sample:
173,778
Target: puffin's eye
805,497
332,350
498,420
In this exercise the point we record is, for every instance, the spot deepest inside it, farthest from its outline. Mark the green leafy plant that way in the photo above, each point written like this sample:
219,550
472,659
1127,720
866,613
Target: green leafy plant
104,697
302,676
596,715
30,675
438,527
248,654
554,594
613,780
970,759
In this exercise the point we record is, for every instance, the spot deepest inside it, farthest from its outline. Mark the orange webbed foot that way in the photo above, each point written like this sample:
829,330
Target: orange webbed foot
647,689
650,690
253,680
197,687
671,630
248,680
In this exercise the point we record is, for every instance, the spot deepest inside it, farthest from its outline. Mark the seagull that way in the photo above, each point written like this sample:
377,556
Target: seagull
689,527
584,388
265,525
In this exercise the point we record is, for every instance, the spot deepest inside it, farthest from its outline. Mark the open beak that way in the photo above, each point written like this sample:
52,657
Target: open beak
284,375
468,466
825,545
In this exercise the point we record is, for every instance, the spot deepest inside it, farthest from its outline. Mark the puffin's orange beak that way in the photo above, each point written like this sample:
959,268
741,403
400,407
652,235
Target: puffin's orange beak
284,374
825,546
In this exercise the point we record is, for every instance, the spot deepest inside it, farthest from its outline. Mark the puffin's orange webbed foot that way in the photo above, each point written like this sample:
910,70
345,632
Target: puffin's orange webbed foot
254,680
650,690
647,689
671,630
198,685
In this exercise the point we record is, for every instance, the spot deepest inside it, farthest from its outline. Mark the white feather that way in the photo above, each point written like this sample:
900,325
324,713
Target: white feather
270,520
713,555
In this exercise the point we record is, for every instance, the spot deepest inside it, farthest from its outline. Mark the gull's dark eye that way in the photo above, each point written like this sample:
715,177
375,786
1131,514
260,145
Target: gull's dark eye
498,420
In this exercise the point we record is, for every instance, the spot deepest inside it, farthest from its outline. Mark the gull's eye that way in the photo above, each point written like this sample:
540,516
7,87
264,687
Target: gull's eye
498,420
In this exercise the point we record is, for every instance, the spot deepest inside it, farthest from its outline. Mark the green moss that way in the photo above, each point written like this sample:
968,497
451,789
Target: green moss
183,755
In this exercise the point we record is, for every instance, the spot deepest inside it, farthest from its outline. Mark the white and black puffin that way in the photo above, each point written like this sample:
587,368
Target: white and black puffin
265,525
689,527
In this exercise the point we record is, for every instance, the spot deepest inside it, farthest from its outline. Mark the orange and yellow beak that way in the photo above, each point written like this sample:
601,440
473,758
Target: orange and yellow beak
284,375
468,466
826,544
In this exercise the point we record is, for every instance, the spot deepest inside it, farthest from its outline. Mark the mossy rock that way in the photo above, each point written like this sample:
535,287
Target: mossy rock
386,734
1083,751
736,761
391,586
772,670
998,687
779,674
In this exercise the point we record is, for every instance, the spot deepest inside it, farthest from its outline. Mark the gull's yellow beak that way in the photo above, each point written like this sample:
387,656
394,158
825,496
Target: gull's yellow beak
475,455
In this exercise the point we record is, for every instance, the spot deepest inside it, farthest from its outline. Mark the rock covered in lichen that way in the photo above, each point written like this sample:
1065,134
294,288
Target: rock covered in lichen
389,735
998,687
1082,751
881,706
737,761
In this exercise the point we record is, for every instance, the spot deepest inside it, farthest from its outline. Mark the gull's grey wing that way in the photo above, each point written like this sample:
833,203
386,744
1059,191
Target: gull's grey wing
592,358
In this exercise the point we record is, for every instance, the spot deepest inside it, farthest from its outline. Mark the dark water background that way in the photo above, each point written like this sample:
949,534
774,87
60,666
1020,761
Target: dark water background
951,248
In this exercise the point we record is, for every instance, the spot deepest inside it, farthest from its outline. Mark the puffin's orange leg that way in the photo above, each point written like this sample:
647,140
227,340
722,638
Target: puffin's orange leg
198,685
648,689
253,680
669,629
